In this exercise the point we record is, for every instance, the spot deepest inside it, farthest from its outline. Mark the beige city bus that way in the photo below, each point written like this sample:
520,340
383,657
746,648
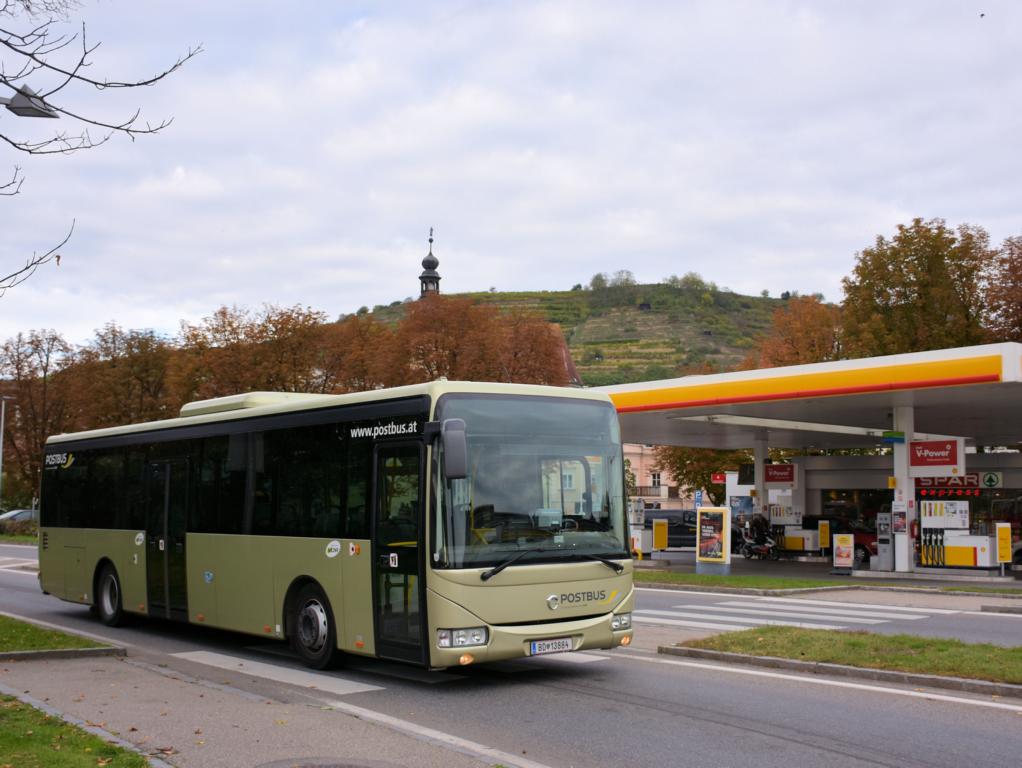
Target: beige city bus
439,524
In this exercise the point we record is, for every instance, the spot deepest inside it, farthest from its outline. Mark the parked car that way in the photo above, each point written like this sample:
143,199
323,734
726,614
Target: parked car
18,516
681,525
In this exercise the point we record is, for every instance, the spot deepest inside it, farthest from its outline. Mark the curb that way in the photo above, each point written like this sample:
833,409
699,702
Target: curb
843,670
806,590
1001,608
62,653
155,762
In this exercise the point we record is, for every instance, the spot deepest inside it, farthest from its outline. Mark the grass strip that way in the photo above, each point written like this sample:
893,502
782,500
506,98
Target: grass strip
19,636
749,582
30,738
18,538
903,653
986,590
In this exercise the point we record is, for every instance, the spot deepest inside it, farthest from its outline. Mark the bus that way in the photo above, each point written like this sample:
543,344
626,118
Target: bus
439,524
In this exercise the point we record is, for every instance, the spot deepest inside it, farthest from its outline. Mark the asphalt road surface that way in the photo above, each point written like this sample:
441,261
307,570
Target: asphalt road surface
629,707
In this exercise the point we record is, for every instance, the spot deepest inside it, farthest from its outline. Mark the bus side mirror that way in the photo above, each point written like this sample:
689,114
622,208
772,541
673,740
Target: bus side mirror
452,437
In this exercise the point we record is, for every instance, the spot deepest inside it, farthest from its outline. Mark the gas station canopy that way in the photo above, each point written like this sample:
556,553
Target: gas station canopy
972,392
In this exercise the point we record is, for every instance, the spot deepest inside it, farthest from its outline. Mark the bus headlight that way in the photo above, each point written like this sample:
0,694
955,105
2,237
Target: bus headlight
621,621
460,638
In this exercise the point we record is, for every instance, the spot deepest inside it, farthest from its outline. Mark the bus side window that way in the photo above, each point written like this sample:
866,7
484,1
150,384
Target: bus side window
356,518
74,492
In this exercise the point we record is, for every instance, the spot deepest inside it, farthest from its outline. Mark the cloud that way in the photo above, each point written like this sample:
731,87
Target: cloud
760,145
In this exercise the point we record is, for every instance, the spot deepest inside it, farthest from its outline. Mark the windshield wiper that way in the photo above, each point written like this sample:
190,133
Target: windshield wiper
487,575
617,567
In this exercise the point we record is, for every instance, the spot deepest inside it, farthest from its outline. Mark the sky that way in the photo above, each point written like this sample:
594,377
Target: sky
313,145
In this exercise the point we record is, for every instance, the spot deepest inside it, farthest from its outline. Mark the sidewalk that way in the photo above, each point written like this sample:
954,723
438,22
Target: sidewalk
190,722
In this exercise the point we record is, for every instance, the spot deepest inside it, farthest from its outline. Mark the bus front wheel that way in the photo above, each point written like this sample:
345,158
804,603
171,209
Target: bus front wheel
313,632
108,597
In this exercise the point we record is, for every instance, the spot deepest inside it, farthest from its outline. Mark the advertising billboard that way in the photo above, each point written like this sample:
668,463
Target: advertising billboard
714,527
844,550
936,458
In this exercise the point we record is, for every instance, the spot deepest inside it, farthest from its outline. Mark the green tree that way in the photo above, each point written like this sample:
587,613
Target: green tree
922,289
692,467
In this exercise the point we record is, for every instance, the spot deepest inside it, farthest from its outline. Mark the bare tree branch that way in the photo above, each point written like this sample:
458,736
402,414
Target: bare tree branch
38,52
35,261
12,187
56,62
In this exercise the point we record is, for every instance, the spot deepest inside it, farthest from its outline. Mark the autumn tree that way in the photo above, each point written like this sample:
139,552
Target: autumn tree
120,377
920,290
356,353
462,339
234,351
32,369
532,351
442,336
1004,292
804,330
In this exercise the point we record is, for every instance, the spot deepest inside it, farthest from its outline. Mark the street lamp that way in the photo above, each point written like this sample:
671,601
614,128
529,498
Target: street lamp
27,103
3,418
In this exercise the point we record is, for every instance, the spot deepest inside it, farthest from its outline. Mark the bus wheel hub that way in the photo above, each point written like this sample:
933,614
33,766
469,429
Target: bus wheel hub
312,626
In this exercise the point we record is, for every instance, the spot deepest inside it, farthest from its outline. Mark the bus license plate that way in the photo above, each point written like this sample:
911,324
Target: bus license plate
557,645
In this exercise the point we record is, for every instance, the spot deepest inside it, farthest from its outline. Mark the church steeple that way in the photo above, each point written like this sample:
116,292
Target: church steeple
429,280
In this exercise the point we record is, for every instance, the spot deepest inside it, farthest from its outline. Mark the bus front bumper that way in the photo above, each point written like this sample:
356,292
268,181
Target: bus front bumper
523,640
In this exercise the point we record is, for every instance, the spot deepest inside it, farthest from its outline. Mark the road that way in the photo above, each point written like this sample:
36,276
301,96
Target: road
598,709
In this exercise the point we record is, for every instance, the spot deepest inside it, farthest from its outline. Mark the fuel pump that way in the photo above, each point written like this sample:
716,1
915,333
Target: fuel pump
884,560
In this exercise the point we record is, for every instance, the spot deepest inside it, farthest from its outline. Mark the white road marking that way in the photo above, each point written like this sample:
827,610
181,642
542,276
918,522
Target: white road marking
679,592
737,670
34,574
689,624
885,615
575,657
988,614
781,613
338,686
737,619
842,604
14,562
489,754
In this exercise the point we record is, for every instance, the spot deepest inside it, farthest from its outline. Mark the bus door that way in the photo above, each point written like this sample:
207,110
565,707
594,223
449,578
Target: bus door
165,539
398,579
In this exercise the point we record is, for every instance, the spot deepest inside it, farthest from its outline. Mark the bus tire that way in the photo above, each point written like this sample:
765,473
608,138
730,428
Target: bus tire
109,606
313,631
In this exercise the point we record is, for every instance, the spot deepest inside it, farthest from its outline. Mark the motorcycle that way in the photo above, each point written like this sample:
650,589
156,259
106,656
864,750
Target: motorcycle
764,550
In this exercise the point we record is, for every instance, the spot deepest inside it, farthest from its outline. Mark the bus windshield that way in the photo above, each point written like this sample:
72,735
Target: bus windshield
545,483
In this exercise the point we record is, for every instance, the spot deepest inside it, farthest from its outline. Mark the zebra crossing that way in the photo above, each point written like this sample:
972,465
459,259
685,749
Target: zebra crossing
747,612
18,564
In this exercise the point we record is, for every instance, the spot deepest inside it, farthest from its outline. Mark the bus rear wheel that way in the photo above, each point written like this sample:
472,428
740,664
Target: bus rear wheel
313,632
108,597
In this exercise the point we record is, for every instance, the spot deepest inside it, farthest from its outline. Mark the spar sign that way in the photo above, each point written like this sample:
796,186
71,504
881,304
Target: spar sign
936,458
